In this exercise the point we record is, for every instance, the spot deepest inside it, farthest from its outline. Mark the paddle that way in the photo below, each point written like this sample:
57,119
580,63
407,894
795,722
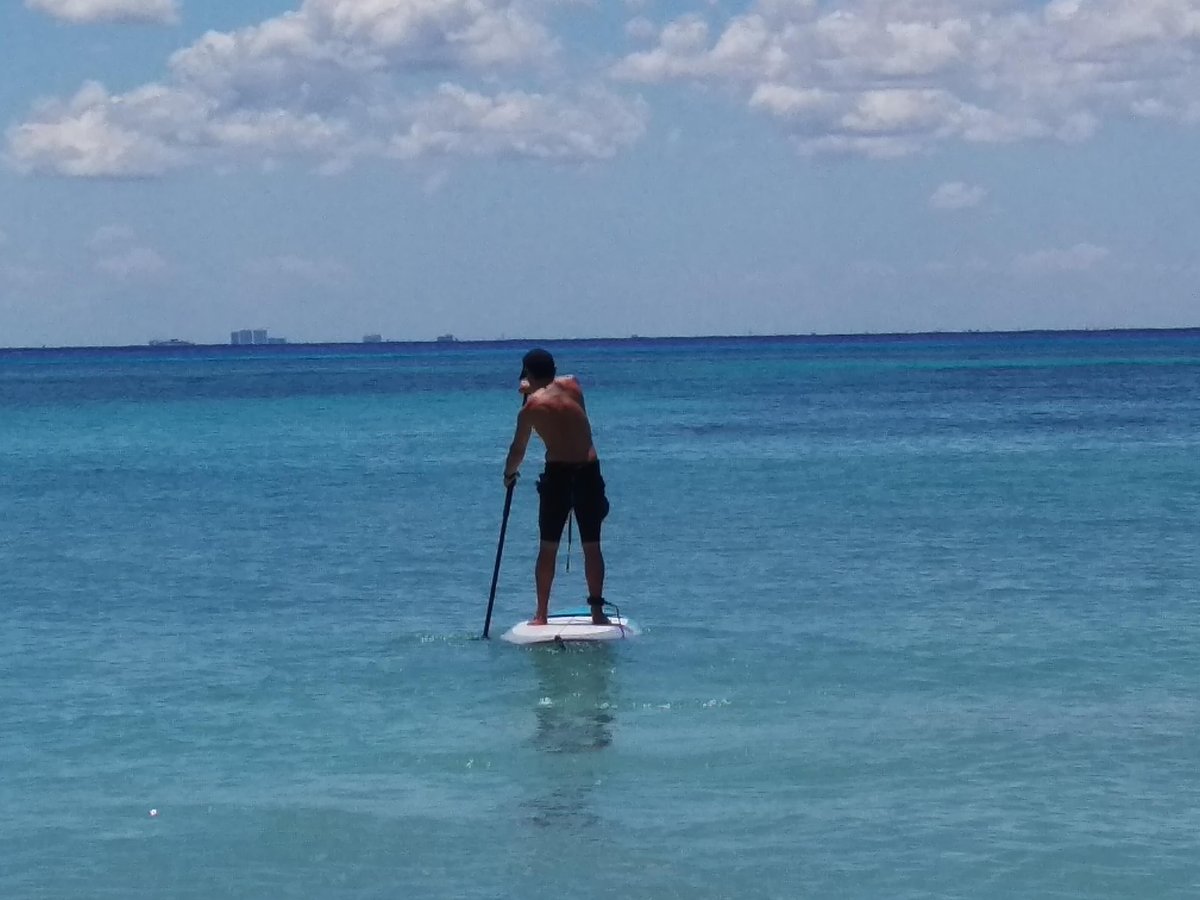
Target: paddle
487,621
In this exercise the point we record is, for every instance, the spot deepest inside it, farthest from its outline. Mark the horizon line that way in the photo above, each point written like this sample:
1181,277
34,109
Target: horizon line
165,345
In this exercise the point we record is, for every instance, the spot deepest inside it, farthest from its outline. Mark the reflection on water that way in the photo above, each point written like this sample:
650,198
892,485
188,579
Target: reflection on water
566,809
575,709
575,718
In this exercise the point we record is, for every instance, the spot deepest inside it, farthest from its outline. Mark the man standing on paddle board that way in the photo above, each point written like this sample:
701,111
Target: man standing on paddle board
553,407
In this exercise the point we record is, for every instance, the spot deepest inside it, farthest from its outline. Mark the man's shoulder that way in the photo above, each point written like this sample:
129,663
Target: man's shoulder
569,383
536,401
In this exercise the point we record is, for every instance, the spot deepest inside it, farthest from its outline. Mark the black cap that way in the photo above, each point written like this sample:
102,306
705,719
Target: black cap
538,364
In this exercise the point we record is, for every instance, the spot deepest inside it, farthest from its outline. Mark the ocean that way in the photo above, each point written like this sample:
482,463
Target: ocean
920,620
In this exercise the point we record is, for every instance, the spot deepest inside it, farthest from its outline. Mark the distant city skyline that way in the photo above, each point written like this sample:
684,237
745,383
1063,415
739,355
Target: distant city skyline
253,336
533,340
493,168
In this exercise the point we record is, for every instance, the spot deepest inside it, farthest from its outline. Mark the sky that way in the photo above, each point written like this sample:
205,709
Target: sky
328,169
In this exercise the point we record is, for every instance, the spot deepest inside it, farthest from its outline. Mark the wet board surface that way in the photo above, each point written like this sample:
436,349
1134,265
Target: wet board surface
574,625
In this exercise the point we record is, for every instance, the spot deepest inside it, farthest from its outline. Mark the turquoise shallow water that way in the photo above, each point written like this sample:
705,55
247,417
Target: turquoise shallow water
920,620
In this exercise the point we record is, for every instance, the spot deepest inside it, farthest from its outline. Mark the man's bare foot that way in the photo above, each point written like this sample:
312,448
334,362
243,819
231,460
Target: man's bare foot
538,621
596,604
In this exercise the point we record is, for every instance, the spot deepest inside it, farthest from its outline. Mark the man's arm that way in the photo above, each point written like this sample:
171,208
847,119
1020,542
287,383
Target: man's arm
520,441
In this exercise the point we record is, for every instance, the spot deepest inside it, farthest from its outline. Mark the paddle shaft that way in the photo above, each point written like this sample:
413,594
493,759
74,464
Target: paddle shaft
487,621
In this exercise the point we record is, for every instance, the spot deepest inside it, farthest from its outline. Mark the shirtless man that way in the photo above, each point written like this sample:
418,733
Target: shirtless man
553,407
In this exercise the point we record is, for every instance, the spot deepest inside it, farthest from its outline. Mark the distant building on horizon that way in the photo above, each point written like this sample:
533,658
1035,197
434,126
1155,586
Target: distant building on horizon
372,339
248,336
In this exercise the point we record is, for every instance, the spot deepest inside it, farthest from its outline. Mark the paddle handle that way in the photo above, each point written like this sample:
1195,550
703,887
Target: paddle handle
487,620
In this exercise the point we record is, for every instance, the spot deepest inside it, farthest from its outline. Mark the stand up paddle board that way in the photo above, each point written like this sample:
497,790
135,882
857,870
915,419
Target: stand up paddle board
572,625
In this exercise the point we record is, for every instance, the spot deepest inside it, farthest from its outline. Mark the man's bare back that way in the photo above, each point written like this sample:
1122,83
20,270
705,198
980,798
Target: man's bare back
558,415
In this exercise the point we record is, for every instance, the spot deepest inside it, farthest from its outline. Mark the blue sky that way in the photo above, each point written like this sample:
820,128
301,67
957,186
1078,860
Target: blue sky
566,168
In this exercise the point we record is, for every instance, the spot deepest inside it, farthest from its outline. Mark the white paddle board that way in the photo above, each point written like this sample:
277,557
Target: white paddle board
574,625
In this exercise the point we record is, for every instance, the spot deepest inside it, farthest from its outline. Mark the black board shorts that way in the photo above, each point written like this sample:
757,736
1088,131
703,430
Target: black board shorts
571,486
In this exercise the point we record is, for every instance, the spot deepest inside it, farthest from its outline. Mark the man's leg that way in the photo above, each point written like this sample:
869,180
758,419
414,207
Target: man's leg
593,570
543,577
554,505
591,506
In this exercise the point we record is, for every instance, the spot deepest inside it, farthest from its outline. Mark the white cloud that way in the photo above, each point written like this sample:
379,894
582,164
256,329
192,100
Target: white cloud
688,34
787,102
333,44
640,28
953,195
458,122
334,81
133,263
119,254
883,77
897,111
872,147
99,134
1079,258
320,272
87,12
862,44
330,83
